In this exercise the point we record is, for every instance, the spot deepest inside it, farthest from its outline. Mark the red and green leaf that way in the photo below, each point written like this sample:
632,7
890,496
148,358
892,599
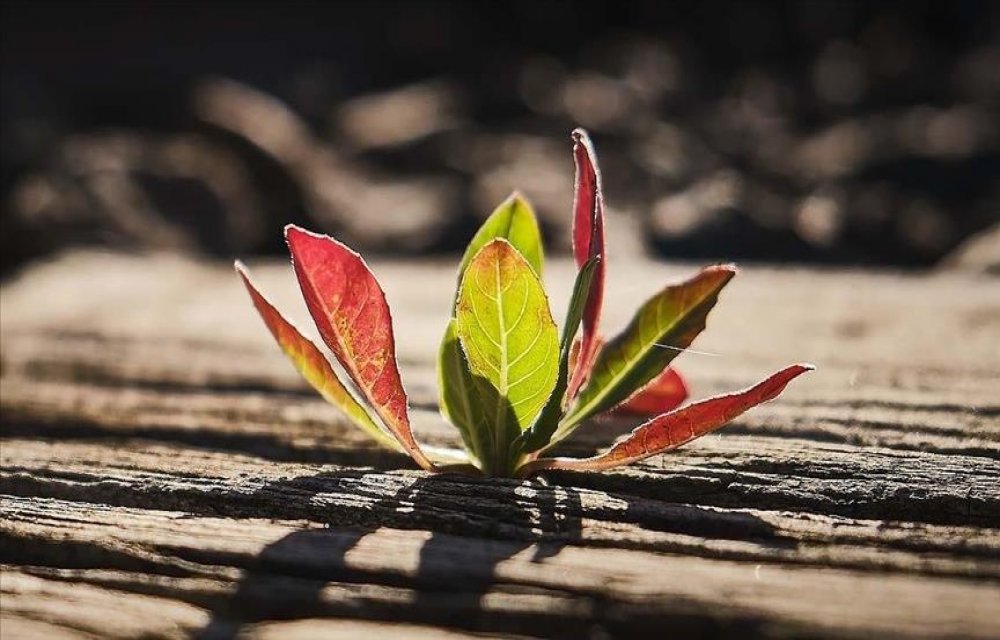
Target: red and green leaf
665,392
312,364
349,309
664,325
588,243
673,429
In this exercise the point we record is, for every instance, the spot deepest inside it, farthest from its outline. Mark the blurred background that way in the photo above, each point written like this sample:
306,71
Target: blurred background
854,133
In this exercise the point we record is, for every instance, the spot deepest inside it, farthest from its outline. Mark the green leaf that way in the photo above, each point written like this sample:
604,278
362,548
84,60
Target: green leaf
664,325
514,221
456,388
545,425
510,341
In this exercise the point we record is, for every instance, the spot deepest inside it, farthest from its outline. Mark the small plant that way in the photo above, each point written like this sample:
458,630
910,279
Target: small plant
510,384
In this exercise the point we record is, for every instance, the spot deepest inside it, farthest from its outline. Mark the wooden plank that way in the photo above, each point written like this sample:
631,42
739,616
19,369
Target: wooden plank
221,483
543,584
158,455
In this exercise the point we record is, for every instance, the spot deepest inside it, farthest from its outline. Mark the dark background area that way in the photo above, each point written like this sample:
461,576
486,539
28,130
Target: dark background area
835,132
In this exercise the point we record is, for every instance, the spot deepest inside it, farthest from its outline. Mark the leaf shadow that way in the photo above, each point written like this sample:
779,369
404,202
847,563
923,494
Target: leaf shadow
473,526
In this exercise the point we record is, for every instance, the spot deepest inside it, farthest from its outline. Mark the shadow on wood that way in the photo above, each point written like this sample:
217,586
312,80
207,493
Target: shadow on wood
449,585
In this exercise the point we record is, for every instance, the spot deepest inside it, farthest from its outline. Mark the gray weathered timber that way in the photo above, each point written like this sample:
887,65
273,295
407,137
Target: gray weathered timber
166,474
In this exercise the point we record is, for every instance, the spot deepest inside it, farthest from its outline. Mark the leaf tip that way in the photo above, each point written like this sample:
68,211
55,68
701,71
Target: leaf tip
295,233
782,378
520,205
581,138
497,245
718,274
304,240
728,268
788,374
244,273
516,196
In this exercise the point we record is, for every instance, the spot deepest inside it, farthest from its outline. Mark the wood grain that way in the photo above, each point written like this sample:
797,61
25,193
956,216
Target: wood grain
162,461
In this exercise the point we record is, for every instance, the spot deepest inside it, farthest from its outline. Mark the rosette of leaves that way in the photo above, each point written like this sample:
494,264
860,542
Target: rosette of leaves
510,381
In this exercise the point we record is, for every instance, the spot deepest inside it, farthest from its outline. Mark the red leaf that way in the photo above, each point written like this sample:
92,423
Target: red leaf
664,393
588,241
312,364
673,429
352,316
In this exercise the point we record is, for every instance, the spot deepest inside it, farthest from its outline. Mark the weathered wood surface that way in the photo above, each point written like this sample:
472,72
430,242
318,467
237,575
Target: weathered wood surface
165,473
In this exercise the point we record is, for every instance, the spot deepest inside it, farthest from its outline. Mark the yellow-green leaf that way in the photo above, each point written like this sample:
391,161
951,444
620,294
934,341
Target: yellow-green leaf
545,425
510,341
